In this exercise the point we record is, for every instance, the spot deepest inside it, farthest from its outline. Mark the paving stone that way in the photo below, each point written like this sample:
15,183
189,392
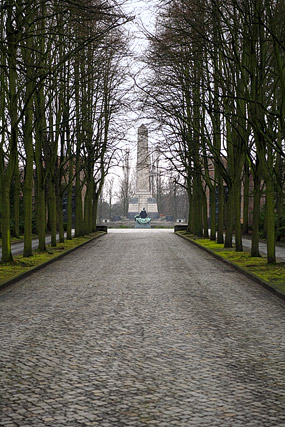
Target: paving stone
114,336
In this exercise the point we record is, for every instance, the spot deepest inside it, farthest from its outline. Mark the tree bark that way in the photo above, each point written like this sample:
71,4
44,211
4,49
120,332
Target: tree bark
213,213
255,217
220,234
229,210
7,174
16,207
69,198
52,211
6,238
28,183
245,199
205,217
270,216
60,218
237,208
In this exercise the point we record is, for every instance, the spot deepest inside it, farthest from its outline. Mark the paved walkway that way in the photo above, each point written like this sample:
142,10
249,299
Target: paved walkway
141,329
17,248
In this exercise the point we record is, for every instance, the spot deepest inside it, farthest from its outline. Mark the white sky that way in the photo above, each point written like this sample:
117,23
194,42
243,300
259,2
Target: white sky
144,12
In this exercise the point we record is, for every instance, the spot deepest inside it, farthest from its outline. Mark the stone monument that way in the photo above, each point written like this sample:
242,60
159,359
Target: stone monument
143,198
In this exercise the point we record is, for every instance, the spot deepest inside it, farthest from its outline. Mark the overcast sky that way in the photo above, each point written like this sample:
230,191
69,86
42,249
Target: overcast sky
144,12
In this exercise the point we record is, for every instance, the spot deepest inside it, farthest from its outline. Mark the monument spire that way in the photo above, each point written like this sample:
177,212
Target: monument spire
143,163
143,197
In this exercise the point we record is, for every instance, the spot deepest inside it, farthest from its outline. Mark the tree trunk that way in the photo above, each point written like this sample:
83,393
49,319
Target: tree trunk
280,192
1,195
270,216
41,140
7,175
237,209
245,199
229,220
78,194
69,199
264,229
60,218
280,217
220,234
205,217
217,123
255,218
78,201
41,193
17,186
52,212
41,215
88,207
197,211
27,49
28,184
213,213
95,210
6,239
190,216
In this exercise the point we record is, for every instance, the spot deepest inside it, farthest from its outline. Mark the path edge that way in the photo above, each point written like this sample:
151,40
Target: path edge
236,267
28,273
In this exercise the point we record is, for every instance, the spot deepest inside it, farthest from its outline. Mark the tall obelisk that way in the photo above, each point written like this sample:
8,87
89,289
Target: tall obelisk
143,163
143,197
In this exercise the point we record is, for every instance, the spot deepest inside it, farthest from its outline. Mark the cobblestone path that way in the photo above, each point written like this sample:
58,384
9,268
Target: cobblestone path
141,329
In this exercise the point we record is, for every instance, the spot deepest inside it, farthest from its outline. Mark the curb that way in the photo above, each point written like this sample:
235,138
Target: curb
21,276
237,268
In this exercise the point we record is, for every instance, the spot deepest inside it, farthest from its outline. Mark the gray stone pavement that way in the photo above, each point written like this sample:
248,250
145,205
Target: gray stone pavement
140,328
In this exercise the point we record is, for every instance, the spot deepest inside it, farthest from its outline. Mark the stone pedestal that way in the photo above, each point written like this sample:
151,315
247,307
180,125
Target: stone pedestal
143,226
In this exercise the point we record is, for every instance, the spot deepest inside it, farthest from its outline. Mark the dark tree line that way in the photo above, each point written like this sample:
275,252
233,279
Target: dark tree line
217,89
61,90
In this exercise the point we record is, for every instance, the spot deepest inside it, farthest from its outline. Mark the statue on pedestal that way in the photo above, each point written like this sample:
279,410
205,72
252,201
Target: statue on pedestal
142,220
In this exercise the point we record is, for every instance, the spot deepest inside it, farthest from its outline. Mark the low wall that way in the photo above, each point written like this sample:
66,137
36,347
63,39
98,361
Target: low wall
180,227
102,228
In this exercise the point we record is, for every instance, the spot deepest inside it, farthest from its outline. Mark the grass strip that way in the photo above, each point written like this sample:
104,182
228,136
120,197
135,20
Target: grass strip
273,275
21,266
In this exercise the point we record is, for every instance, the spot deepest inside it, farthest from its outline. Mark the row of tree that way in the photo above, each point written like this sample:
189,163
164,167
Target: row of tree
61,90
217,87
